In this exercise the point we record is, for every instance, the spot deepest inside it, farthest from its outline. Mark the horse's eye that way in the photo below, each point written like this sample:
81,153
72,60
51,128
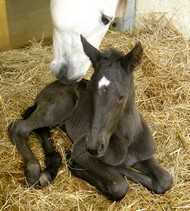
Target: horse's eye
105,19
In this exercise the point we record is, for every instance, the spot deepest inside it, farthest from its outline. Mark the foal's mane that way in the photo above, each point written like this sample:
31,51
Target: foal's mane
112,55
120,11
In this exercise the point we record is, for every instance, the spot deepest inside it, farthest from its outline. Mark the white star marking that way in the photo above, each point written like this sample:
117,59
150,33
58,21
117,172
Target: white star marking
103,82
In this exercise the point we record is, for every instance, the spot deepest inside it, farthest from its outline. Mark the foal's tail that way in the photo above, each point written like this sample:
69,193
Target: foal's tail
27,113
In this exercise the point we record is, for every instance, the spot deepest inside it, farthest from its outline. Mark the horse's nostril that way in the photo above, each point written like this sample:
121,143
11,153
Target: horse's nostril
64,68
62,78
59,68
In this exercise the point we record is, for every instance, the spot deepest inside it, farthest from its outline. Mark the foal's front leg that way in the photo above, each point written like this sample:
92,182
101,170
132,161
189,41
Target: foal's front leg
103,176
151,175
19,134
52,156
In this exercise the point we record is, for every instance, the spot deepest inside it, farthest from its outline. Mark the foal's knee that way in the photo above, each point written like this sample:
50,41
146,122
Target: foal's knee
17,130
117,190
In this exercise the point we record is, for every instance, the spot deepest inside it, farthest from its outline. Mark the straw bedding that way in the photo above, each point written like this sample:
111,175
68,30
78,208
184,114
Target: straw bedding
162,95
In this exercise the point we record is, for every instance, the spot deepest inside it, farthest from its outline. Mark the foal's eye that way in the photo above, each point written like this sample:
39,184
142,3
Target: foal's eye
121,98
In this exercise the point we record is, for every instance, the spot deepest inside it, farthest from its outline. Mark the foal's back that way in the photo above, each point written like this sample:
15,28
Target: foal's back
73,99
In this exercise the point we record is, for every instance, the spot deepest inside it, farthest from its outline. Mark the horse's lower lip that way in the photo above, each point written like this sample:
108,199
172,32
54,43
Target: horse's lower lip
68,81
79,79
65,80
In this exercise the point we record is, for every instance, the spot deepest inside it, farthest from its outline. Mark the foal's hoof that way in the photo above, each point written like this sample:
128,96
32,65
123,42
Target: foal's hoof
32,173
164,184
45,179
53,162
47,176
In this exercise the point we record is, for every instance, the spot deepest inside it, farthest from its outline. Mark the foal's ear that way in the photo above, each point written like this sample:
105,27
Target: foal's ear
133,58
94,54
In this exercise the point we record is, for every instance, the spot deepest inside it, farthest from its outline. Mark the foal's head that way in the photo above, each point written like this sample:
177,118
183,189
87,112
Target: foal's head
111,89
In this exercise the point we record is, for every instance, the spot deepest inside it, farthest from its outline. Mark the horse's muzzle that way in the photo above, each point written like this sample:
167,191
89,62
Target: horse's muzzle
65,80
60,70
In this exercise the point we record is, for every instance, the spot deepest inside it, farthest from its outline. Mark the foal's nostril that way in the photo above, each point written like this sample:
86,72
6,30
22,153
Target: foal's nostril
93,151
98,151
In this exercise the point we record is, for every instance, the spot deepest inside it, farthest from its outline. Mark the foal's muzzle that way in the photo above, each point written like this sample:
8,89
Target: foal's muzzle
96,146
96,151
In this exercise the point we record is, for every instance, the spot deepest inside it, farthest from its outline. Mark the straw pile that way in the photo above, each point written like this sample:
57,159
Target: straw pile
162,96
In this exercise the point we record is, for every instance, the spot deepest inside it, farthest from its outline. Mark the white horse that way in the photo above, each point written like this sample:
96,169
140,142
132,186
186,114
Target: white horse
70,18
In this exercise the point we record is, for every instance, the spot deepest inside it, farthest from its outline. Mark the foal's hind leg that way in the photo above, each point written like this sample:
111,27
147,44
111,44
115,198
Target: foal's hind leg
151,175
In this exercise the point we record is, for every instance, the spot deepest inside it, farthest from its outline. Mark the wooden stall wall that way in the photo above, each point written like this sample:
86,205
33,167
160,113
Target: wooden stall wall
23,20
